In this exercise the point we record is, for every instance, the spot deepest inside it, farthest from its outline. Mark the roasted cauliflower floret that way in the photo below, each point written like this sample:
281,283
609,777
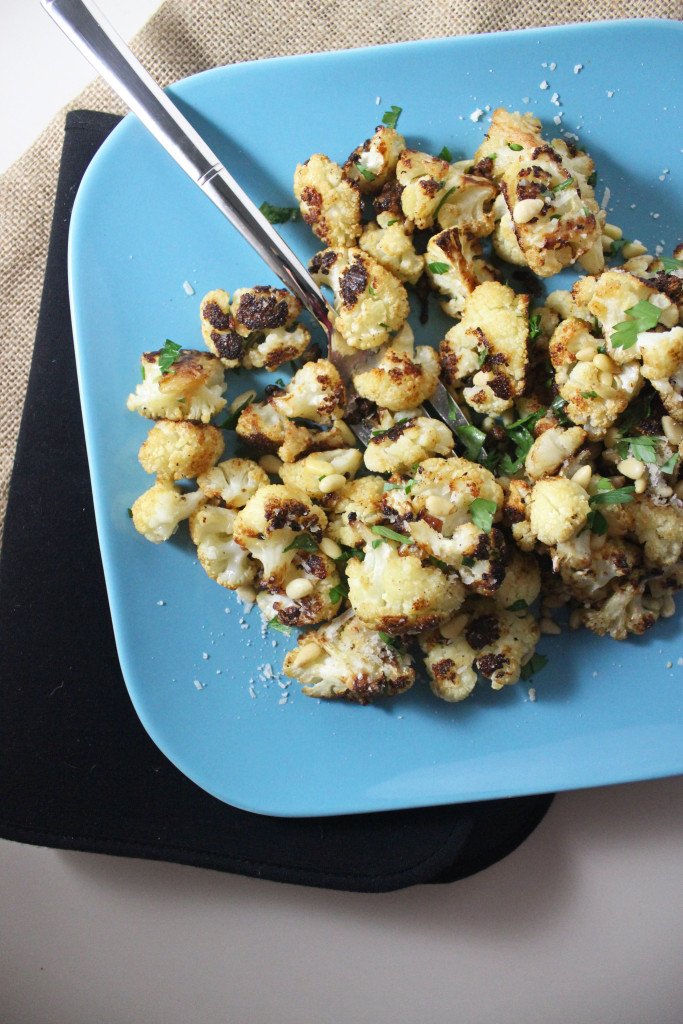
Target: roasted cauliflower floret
489,348
179,449
552,449
273,525
615,293
554,223
312,595
393,591
211,529
276,347
483,638
262,426
467,203
330,203
389,241
354,510
626,609
403,377
324,474
371,165
662,355
511,136
596,389
455,267
408,442
231,483
558,509
522,581
371,303
422,178
219,330
315,392
190,389
658,529
347,659
159,511
262,309
503,238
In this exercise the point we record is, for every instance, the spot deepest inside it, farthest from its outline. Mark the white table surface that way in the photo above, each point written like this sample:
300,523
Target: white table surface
582,924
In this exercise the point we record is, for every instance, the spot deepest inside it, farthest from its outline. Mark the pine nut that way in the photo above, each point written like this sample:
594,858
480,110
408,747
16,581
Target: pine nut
678,489
668,607
346,432
632,249
640,485
612,437
247,397
605,392
606,243
526,210
665,492
436,505
246,594
270,464
508,417
585,355
673,431
606,379
308,652
298,588
550,627
603,362
453,628
480,379
330,548
332,483
317,465
598,540
632,468
582,477
575,619
612,231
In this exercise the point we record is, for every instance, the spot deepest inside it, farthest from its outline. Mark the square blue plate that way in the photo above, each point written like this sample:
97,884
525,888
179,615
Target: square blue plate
202,674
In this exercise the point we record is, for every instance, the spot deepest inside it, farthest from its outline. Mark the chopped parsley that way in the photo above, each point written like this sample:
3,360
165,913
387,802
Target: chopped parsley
608,495
168,356
445,154
390,641
641,317
279,214
280,627
670,464
443,199
386,534
472,439
482,512
368,175
670,264
641,448
558,406
515,146
302,542
588,394
617,244
533,665
439,268
338,593
391,116
534,326
230,421
519,606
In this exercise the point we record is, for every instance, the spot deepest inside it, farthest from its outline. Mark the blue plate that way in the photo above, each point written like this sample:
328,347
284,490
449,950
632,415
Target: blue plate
202,674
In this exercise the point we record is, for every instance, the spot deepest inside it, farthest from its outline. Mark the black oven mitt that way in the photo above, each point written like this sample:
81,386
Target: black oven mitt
77,769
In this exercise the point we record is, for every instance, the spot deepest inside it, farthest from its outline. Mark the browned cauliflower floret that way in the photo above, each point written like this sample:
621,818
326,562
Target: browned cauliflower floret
614,294
276,347
393,591
485,638
219,330
281,528
402,377
557,509
596,389
658,529
554,223
262,426
487,350
371,165
511,135
662,355
211,529
231,483
371,303
503,238
347,659
409,441
625,609
315,392
522,582
178,449
329,202
389,241
354,510
323,474
159,511
455,267
190,389
262,308
552,449
467,203
422,178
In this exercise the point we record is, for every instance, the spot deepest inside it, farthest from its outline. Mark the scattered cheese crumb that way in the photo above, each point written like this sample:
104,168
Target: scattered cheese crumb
558,119
532,693
189,290
205,656
577,68
198,685
669,664
544,85
476,114
161,603
610,94
555,98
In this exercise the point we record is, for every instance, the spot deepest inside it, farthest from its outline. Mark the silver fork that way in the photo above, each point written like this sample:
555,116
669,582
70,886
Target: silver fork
90,32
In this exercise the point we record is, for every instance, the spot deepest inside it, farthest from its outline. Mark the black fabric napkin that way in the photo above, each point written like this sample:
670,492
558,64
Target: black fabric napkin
77,769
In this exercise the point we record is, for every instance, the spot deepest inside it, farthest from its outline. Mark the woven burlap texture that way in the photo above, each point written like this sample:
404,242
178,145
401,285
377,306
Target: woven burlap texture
186,36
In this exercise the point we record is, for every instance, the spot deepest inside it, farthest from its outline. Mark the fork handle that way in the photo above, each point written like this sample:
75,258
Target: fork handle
90,32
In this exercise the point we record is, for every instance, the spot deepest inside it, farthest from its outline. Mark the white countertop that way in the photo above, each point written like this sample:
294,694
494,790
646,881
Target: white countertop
582,924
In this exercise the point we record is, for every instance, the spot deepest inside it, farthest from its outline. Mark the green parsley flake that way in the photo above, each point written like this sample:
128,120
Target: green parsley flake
443,200
534,326
641,317
279,214
390,118
482,512
534,665
515,146
641,448
337,593
670,264
588,394
368,175
472,439
519,606
280,627
302,542
230,421
611,495
445,154
386,534
439,268
168,356
390,641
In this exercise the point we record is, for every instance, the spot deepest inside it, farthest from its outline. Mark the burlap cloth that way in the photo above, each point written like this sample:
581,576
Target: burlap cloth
186,36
